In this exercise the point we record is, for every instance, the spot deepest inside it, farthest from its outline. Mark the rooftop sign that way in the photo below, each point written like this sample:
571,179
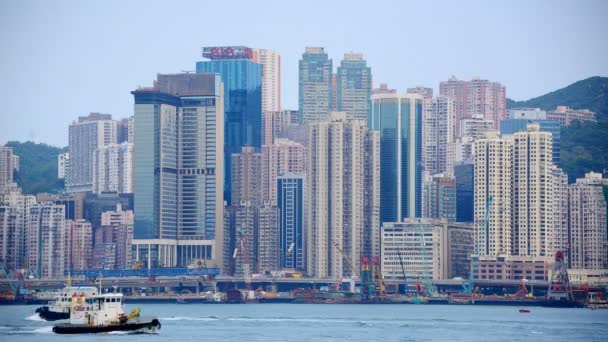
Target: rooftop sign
227,52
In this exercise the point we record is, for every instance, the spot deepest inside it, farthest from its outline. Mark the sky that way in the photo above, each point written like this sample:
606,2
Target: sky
63,59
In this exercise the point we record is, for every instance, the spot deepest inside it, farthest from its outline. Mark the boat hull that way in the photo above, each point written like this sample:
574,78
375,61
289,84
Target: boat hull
148,326
49,315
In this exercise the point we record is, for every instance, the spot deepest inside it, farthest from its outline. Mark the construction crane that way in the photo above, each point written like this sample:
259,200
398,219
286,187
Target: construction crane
379,281
367,287
16,288
427,279
245,263
355,272
406,289
468,286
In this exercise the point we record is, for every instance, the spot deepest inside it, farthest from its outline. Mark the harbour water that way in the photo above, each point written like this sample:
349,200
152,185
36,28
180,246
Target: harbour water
323,322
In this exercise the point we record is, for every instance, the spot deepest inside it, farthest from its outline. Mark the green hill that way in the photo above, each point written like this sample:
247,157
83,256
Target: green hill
37,167
584,146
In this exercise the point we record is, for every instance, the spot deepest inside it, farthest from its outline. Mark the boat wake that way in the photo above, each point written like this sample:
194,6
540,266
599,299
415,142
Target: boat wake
184,318
15,330
35,317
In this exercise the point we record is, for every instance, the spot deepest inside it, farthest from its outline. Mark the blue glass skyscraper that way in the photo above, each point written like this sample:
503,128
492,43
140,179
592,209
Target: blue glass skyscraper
465,187
398,118
354,83
242,80
315,85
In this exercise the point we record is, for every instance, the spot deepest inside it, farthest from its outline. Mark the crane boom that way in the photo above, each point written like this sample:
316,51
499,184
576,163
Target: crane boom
427,277
403,270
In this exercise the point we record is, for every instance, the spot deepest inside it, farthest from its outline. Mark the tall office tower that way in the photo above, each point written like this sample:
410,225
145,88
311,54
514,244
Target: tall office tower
267,224
291,228
242,79
560,213
334,92
63,164
354,87
275,122
588,240
271,78
342,195
117,227
45,240
464,175
477,96
493,178
520,118
14,218
532,193
179,127
78,245
247,176
113,168
443,198
7,168
284,156
85,136
439,130
315,85
398,118
565,115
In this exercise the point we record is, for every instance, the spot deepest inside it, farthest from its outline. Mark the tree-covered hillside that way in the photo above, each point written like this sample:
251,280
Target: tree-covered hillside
584,146
38,167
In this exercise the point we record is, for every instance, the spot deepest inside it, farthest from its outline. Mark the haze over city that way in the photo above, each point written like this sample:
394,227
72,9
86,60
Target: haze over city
62,59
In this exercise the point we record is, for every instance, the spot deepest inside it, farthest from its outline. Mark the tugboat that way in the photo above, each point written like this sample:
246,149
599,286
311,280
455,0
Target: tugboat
104,313
60,307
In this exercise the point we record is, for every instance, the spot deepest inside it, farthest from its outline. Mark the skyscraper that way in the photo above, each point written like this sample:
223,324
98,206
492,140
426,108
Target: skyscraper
284,156
78,245
247,176
179,126
267,226
342,195
7,168
45,240
14,220
117,229
439,127
532,193
477,96
398,118
561,234
271,78
354,87
315,85
443,198
86,135
464,174
291,232
589,240
242,78
113,168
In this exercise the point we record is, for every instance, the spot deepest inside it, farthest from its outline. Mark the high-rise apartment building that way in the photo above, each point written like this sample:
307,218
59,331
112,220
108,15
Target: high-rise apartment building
588,234
242,79
442,204
284,156
315,85
275,122
113,168
7,167
63,164
247,176
476,97
342,195
267,252
398,119
239,239
493,195
78,245
354,87
117,229
532,193
14,219
561,233
290,197
271,78
85,136
45,240
439,131
512,126
179,159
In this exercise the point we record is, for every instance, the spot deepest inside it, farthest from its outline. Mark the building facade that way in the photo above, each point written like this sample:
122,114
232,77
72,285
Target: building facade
242,100
7,168
566,115
275,122
179,127
315,85
439,132
476,97
78,245
512,126
14,220
271,78
398,119
342,195
63,165
247,176
85,136
290,200
354,87
464,175
284,156
45,240
113,168
442,204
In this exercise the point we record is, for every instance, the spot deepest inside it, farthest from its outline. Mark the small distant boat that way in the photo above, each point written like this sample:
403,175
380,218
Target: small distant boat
524,310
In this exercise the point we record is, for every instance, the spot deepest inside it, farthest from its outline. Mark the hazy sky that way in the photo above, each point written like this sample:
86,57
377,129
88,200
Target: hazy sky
62,59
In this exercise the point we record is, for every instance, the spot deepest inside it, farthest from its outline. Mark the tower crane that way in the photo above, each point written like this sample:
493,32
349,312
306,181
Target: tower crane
406,289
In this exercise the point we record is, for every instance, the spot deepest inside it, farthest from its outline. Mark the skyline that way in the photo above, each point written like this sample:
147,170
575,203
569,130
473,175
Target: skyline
122,56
